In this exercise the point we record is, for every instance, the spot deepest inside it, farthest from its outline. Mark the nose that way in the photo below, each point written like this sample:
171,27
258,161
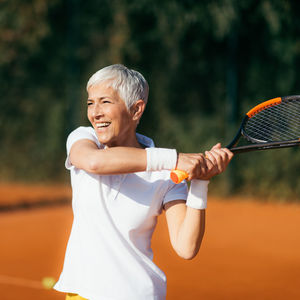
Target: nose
97,112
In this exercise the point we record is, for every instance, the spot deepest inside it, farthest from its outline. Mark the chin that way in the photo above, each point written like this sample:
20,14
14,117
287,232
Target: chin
104,141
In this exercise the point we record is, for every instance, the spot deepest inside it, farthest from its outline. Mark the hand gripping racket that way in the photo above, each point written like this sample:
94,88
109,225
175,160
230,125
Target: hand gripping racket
272,124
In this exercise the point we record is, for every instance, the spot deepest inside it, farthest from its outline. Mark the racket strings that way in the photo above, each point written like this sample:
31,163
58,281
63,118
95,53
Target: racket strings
283,126
276,123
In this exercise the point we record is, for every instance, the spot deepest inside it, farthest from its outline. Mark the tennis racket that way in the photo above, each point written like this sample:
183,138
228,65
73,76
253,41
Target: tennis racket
272,124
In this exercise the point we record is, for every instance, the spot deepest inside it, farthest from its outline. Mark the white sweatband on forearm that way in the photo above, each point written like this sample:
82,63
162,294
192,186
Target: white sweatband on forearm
161,159
197,196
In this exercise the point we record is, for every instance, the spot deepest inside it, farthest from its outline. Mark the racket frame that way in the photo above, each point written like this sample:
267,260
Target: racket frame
177,176
257,144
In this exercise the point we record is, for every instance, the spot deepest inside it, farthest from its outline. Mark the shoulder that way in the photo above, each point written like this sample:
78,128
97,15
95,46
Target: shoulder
83,130
82,133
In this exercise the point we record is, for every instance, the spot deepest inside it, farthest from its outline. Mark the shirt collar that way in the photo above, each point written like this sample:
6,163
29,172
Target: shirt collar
142,139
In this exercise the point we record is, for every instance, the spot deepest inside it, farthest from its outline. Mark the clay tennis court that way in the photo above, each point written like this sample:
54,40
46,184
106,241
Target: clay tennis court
250,250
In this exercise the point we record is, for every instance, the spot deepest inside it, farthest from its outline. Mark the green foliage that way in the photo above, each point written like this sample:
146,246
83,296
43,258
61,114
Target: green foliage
207,62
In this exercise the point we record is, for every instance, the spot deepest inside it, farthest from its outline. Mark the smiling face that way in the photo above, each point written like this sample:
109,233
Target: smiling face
114,124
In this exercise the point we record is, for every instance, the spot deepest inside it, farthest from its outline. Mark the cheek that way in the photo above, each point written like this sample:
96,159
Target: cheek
89,115
126,121
120,117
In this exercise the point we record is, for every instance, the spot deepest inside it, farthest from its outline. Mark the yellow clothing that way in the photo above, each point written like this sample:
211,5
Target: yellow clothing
74,297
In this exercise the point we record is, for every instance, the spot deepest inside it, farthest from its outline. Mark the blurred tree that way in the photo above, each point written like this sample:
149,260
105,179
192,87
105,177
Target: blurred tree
207,63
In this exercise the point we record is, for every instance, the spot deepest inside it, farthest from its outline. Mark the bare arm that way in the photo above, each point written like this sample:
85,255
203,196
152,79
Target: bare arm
186,228
86,155
186,224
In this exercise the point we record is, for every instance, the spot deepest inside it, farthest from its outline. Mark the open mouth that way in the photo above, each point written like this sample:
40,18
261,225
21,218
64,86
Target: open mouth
102,125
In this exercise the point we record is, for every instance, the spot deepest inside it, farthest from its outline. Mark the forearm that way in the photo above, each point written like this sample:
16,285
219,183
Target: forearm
116,160
190,233
119,160
186,220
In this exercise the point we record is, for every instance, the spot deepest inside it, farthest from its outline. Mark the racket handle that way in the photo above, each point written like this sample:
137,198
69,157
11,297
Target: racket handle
177,176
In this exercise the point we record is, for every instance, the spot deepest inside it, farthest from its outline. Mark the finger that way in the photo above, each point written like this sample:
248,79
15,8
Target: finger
210,156
217,154
202,166
226,155
211,168
221,158
216,146
229,153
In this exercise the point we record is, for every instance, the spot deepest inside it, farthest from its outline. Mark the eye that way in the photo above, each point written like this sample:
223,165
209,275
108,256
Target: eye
89,103
106,101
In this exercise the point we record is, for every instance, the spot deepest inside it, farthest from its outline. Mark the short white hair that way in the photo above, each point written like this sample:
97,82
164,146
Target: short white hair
130,84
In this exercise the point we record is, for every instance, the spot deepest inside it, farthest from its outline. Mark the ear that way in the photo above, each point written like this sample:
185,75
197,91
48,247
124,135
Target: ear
137,109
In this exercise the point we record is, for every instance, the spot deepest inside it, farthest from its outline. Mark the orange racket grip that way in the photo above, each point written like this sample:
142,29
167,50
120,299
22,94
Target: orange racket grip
177,175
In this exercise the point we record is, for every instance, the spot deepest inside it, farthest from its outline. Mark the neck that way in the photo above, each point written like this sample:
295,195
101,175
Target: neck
128,141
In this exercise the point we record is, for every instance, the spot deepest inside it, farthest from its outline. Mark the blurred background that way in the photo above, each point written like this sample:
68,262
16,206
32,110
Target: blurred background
207,63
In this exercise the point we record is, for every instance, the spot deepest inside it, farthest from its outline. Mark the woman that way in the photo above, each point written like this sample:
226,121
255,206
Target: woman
120,184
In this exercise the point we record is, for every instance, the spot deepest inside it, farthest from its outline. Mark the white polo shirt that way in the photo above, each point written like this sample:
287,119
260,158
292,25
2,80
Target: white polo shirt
109,254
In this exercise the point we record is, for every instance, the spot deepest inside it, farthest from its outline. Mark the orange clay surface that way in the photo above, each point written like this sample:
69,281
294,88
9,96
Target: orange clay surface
250,250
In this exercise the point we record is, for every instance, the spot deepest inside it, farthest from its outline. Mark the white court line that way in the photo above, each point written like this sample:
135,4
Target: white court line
9,280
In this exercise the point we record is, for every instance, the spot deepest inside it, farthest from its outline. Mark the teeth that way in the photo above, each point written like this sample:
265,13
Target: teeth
101,125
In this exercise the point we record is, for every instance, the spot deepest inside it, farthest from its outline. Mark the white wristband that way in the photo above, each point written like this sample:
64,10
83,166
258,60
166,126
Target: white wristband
161,159
197,196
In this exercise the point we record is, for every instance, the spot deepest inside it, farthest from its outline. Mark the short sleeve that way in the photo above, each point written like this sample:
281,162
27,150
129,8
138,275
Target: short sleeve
176,192
80,133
